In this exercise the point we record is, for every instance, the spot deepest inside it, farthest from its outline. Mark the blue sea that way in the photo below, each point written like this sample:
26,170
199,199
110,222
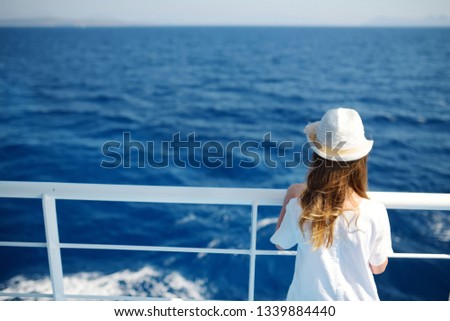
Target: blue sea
66,92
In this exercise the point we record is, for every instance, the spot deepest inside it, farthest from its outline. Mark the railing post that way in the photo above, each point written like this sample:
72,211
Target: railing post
251,276
53,249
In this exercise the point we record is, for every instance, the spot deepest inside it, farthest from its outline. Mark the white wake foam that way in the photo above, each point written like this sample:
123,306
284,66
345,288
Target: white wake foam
266,222
145,282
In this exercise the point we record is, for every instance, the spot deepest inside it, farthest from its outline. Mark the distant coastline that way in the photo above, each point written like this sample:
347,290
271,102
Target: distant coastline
442,21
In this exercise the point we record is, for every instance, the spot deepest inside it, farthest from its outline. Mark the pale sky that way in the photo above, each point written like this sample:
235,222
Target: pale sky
233,12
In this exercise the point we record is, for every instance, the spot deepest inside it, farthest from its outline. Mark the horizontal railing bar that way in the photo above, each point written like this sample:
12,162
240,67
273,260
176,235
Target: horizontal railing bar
152,248
420,256
24,244
412,201
275,252
26,295
82,246
394,256
198,195
140,193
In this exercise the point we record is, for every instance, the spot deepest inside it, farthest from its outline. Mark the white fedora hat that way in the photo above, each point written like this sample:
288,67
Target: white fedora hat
339,135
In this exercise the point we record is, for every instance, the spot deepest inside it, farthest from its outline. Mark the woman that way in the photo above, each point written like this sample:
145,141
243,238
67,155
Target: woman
343,237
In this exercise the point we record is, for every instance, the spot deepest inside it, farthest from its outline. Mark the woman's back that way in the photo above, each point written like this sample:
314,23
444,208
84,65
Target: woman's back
341,271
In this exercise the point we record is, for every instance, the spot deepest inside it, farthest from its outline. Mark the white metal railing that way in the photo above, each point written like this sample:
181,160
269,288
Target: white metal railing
50,192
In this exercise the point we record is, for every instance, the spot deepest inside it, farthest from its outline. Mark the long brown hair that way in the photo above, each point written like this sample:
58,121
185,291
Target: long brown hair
327,187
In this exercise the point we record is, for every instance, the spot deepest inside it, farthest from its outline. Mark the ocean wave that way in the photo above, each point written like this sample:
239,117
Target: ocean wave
413,119
190,217
440,226
266,222
146,282
212,244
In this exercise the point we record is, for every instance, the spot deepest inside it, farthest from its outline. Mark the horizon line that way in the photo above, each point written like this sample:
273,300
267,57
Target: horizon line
69,25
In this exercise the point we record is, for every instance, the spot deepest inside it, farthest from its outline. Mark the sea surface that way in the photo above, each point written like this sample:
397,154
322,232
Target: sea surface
66,93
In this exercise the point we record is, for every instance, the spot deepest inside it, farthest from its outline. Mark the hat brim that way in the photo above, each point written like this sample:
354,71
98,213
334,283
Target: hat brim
336,154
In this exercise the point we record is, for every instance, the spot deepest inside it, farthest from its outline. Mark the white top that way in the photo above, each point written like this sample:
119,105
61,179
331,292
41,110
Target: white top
341,272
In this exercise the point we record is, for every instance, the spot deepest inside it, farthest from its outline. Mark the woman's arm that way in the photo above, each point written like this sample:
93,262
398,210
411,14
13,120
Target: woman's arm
293,191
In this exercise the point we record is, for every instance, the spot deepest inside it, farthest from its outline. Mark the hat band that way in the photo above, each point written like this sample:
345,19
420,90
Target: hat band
333,152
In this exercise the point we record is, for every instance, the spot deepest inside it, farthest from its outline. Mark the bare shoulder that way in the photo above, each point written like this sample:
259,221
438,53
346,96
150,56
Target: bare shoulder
295,190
